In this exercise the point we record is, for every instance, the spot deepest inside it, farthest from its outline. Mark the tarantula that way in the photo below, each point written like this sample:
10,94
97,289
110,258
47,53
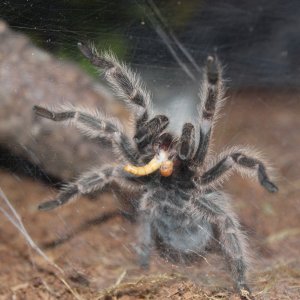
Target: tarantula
181,212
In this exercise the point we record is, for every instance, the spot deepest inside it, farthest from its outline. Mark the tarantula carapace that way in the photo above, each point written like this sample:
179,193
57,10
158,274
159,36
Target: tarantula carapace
180,210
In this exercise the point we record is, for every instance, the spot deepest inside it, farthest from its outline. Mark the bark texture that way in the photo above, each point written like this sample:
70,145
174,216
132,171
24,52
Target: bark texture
30,76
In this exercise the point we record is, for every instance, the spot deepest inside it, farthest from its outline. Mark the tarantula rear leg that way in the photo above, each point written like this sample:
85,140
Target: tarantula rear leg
231,241
144,233
87,183
241,163
144,246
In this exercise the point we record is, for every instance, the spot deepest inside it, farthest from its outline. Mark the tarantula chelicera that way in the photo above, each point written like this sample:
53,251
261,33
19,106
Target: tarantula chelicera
180,210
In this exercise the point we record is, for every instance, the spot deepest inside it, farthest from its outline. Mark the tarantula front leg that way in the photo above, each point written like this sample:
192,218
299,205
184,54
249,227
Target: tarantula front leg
212,93
231,241
89,182
93,126
126,84
242,163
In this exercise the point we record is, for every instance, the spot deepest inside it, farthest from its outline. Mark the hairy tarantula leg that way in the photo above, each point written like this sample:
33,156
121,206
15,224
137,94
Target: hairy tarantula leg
87,183
187,142
144,232
126,84
212,92
93,127
241,163
231,241
63,197
145,240
150,130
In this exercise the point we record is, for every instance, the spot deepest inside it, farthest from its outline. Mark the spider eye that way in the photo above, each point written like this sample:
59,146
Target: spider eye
166,168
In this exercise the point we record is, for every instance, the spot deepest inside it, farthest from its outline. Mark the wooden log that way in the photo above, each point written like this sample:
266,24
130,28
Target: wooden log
30,76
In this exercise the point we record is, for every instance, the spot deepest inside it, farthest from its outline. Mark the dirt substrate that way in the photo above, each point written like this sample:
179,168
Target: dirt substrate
98,258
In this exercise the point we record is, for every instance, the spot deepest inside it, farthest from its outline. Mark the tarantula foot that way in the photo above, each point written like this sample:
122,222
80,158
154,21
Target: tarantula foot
42,112
85,50
212,69
144,263
49,205
245,293
143,255
48,114
271,187
144,260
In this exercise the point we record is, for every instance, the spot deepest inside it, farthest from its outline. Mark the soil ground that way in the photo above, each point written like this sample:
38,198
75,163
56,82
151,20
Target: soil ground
98,259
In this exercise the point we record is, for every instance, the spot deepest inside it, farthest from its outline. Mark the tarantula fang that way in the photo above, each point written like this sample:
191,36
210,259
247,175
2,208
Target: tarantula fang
181,212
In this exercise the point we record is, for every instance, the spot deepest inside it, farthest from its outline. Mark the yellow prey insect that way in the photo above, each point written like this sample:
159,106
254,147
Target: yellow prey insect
160,162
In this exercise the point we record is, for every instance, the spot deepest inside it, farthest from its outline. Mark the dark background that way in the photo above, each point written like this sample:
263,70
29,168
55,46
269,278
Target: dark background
258,41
